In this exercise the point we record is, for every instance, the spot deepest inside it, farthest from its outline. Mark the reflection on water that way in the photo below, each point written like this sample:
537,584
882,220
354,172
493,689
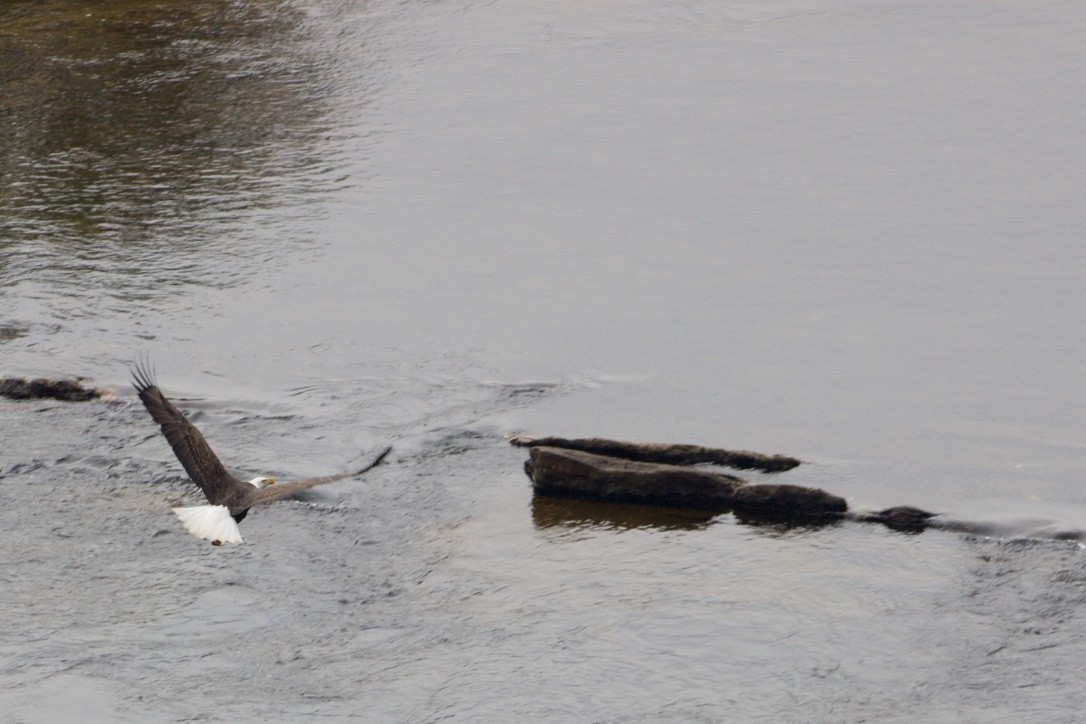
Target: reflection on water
548,512
138,134
552,512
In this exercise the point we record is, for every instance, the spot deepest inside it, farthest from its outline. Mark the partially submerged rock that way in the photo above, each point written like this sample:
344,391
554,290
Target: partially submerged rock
611,471
665,454
573,473
902,517
579,474
17,388
788,502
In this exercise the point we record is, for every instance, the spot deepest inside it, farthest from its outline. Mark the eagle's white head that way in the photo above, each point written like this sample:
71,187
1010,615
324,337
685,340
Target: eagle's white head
261,482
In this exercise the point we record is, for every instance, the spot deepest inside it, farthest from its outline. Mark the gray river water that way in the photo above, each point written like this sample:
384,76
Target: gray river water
850,232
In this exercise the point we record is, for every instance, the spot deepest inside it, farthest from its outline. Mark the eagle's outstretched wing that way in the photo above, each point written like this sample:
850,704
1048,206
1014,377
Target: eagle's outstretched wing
197,457
285,490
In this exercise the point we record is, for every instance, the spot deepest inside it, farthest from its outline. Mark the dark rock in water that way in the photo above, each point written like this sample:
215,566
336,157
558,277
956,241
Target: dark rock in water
572,473
579,474
791,502
665,454
39,389
609,471
902,517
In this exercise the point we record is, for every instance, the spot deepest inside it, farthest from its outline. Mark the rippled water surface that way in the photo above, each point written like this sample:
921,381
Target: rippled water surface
845,232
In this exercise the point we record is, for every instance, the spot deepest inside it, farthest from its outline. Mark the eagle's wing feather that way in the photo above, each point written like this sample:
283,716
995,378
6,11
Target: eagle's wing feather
285,490
196,456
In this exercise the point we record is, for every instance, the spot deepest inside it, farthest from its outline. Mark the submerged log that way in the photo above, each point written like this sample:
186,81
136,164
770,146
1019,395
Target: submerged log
573,473
17,388
665,454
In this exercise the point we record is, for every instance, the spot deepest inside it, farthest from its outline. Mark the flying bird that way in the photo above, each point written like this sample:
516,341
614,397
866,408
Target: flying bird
230,498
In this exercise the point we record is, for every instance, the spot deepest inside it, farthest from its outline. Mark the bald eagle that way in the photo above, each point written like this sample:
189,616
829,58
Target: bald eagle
230,498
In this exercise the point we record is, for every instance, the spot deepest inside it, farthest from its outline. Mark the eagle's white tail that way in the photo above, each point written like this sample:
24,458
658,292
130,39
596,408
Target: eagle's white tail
210,522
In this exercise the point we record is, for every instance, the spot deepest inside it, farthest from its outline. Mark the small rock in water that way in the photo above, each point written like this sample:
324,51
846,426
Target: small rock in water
41,388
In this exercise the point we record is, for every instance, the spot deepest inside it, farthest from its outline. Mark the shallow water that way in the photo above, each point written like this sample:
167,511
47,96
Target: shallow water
841,232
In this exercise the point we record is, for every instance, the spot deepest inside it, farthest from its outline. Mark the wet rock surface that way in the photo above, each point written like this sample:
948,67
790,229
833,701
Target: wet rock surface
664,453
579,474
